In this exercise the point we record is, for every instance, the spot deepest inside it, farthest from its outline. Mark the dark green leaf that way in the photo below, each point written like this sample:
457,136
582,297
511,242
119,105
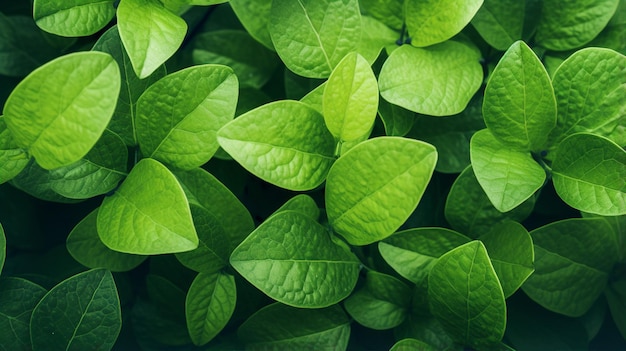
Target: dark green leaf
18,298
397,120
411,345
616,297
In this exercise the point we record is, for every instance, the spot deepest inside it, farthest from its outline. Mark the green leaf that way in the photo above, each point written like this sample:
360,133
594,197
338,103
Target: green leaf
59,129
390,12
178,117
310,272
381,304
73,18
148,214
311,37
254,16
573,259
151,34
85,246
37,182
413,252
466,297
397,120
508,177
428,329
280,327
469,210
18,298
374,37
589,174
285,143
97,173
510,248
616,297
13,159
3,247
434,21
209,305
565,26
519,106
448,76
374,187
412,345
82,312
499,22
303,204
315,97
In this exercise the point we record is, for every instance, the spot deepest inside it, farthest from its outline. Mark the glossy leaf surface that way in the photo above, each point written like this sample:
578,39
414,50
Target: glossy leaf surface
73,18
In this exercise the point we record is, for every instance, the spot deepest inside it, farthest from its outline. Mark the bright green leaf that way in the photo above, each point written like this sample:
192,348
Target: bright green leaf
412,345
311,37
73,18
254,16
315,97
285,143
310,272
390,12
374,187
397,120
209,305
151,34
438,80
148,214
573,258
82,312
18,298
59,129
13,159
466,297
303,204
374,37
508,177
178,117
499,22
589,174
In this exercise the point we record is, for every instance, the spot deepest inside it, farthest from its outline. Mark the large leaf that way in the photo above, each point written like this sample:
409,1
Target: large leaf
178,117
82,312
148,214
589,174
466,297
573,259
18,298
499,22
508,177
519,106
391,12
280,327
59,129
374,187
73,18
151,34
311,271
13,159
255,16
37,182
439,80
311,37
285,143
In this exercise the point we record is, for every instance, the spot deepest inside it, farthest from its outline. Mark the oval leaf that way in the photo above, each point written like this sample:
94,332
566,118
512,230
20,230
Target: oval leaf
73,18
13,159
254,15
18,298
499,22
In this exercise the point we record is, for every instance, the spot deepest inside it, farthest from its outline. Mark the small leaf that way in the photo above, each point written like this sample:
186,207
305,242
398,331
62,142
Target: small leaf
374,187
310,272
397,120
589,174
303,204
82,312
412,345
448,76
3,247
13,159
280,327
466,297
573,259
18,298
209,305
148,214
285,143
59,129
499,22
255,16
73,18
508,177
151,34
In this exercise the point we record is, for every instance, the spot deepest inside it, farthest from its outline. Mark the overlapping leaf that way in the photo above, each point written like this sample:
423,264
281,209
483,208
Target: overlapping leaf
18,298
73,18
13,159
499,22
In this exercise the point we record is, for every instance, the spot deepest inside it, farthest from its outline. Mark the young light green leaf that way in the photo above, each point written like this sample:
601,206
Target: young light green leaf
310,272
390,12
151,34
37,182
412,345
499,22
315,97
466,297
508,177
519,106
589,174
178,117
374,37
350,99
148,214
397,120
255,16
434,21
285,143
18,298
469,210
311,37
73,18
382,303
280,327
438,80
209,305
85,246
510,249
374,187
82,312
573,258
616,297
565,26
413,252
13,159
59,129
303,204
